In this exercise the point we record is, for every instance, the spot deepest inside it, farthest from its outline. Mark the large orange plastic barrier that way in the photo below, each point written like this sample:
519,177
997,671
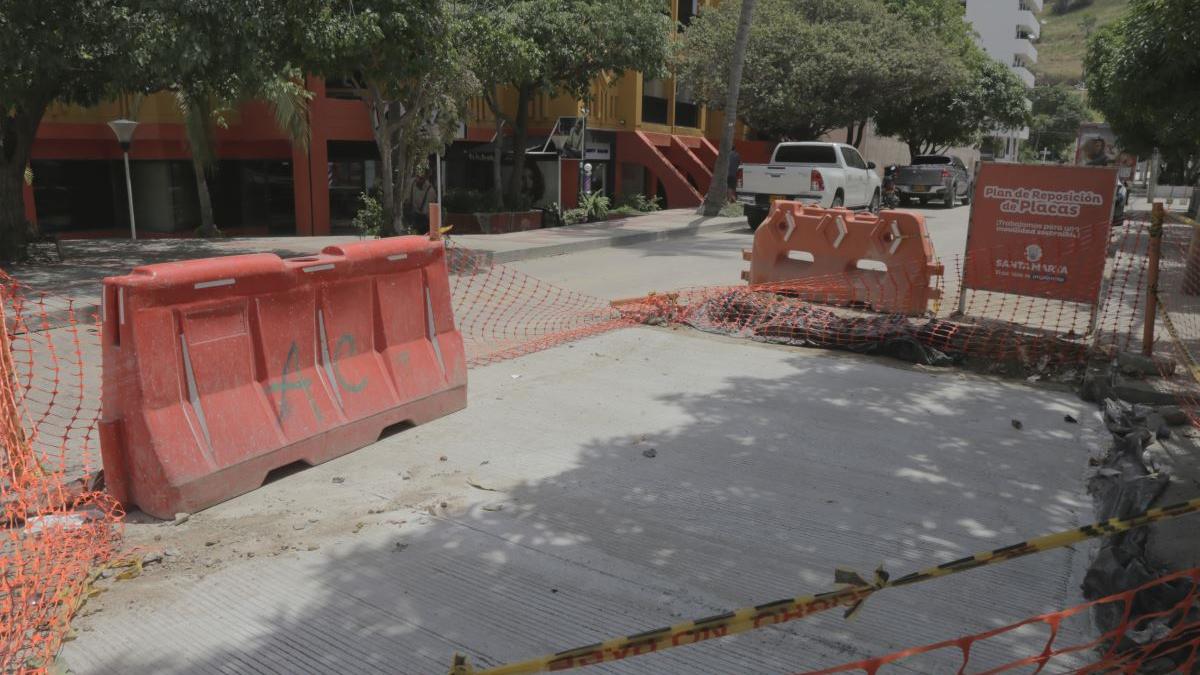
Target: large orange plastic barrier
218,371
840,256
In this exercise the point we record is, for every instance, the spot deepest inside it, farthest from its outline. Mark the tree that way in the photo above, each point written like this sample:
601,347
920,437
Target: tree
559,47
213,65
717,193
501,53
1143,75
811,65
1055,118
70,51
964,92
405,59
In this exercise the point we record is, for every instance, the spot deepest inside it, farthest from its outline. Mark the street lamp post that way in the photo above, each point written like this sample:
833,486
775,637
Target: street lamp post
124,130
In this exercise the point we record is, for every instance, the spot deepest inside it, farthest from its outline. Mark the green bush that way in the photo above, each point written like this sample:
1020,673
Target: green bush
594,205
574,216
640,202
369,218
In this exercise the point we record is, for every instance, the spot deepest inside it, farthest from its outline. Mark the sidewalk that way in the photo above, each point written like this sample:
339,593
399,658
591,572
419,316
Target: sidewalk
78,278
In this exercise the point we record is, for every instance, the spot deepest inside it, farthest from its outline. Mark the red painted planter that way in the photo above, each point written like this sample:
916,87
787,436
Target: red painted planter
493,223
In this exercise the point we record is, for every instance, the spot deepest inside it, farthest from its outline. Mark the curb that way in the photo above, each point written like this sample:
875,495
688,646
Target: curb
700,226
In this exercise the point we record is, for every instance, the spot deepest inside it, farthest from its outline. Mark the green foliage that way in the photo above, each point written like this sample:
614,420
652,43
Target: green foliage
1058,110
1143,75
595,205
811,65
1065,6
574,216
1063,40
406,60
72,51
559,47
639,202
964,95
818,65
369,220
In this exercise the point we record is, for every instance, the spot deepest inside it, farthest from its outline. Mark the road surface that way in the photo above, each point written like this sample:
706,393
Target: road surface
539,519
707,260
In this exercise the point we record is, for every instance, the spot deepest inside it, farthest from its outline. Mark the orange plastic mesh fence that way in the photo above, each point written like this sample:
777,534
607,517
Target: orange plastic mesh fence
1178,329
503,313
56,526
58,523
1007,331
1141,642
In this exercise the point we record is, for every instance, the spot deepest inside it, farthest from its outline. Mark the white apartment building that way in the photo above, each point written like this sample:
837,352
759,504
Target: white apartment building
1005,29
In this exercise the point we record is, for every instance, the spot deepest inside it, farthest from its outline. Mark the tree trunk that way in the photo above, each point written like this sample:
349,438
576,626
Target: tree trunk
497,163
381,129
13,228
17,130
403,191
914,149
208,227
520,142
860,131
718,189
387,183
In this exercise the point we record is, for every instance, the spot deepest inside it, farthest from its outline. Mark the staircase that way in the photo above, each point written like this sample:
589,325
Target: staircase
651,150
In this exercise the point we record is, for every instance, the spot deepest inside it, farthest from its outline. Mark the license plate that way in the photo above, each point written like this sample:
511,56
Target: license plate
746,199
920,188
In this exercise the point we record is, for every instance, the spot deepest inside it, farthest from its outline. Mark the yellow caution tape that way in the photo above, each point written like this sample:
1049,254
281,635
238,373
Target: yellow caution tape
853,590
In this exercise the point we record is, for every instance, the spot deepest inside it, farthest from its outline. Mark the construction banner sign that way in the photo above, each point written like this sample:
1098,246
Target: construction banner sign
1040,230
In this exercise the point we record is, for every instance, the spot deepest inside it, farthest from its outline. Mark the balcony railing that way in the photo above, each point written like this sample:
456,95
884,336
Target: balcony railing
1027,21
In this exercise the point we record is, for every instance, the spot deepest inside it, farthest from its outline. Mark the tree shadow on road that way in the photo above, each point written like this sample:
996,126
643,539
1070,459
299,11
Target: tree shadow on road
724,492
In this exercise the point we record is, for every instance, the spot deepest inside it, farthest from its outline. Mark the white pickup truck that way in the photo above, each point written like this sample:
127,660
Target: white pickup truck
830,174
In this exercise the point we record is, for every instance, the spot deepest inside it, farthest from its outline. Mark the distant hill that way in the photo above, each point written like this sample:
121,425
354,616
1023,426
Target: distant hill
1062,44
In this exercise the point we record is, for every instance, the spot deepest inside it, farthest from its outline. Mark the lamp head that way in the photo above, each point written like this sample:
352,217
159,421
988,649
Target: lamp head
124,130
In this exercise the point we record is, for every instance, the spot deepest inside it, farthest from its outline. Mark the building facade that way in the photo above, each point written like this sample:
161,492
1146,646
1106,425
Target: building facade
1006,29
643,136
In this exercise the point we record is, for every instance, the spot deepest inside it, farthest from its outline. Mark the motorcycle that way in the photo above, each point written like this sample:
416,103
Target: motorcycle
891,200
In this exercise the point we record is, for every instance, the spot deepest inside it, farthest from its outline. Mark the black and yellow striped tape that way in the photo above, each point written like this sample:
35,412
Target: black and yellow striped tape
853,590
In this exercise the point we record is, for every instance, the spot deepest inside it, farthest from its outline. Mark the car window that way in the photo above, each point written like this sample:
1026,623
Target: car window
805,154
853,159
931,159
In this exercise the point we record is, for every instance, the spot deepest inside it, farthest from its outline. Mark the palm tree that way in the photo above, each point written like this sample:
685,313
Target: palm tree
288,99
717,189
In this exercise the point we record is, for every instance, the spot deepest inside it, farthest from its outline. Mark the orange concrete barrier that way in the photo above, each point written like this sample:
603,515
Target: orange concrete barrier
218,371
839,256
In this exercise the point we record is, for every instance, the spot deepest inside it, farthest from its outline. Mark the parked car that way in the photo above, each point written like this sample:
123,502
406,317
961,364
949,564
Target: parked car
830,174
941,177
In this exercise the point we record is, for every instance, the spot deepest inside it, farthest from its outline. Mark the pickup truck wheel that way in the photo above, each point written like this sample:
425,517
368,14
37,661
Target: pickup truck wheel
755,217
951,194
838,201
966,198
923,200
905,200
873,207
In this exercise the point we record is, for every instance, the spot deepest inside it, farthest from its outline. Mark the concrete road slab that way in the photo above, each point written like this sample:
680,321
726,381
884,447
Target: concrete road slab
538,519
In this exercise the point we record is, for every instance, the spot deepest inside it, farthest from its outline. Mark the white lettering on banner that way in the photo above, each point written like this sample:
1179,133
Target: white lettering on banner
1025,269
1038,229
1032,201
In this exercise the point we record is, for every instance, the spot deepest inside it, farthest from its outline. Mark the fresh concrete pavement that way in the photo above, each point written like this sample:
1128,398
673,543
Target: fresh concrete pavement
539,519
